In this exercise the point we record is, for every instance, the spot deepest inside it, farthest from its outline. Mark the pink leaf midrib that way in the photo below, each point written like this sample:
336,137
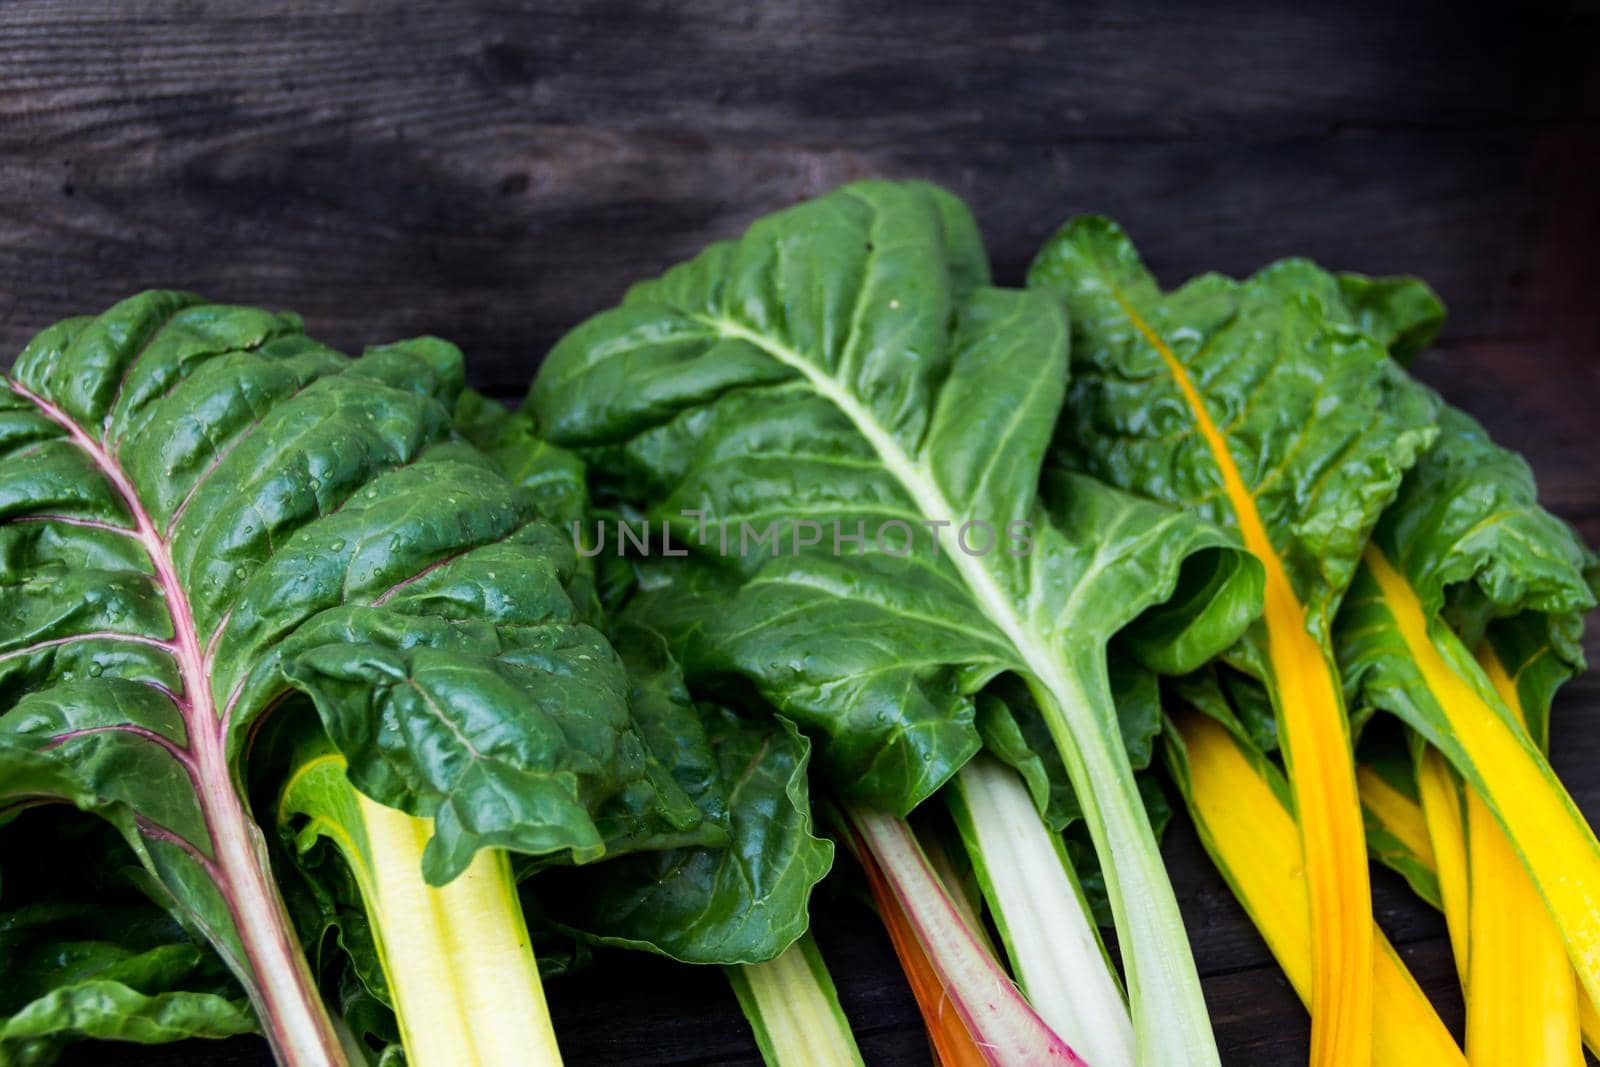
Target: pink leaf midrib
292,1011
185,641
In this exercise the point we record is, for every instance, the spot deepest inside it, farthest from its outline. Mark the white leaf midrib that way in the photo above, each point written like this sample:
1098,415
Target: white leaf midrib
918,482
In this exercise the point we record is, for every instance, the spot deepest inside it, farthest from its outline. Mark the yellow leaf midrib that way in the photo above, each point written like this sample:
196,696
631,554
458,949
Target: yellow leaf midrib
1556,845
1316,742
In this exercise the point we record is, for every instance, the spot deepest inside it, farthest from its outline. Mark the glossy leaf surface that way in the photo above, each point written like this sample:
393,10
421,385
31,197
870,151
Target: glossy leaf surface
741,899
735,890
842,362
1266,406
200,506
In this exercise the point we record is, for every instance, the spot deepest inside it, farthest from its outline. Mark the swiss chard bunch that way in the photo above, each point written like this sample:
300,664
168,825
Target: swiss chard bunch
1269,407
207,516
1409,570
844,370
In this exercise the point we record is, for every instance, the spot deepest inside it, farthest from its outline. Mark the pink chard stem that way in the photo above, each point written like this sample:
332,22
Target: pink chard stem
1006,1029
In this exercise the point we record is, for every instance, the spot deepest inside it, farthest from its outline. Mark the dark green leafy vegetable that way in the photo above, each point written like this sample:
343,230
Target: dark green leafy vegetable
740,897
740,901
1266,406
843,362
200,506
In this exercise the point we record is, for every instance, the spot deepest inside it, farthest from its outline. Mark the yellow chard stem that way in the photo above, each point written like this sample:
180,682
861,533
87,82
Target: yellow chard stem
458,958
1397,813
1502,764
1588,1022
1251,835
1522,999
1317,751
1440,790
1401,811
1309,701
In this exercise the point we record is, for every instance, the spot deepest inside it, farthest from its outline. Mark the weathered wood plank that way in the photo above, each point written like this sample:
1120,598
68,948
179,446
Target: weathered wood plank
495,174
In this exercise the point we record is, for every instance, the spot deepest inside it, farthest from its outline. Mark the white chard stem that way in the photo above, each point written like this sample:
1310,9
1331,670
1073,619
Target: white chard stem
1041,914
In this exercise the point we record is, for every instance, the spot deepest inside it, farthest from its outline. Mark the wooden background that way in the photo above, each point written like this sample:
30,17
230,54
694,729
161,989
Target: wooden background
493,172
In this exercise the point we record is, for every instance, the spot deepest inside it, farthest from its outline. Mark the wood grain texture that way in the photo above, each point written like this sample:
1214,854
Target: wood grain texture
493,172
497,172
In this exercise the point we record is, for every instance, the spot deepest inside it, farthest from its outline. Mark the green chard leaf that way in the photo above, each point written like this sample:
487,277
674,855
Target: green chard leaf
1267,407
1466,615
740,900
842,369
1468,539
1314,420
556,478
737,890
201,510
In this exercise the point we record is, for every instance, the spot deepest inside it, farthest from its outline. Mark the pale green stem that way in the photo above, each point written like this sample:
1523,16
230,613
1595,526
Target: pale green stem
1170,1022
794,1009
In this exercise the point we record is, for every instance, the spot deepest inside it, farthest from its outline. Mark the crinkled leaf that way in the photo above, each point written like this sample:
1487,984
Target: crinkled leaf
1481,557
1318,422
198,502
416,693
1464,617
739,896
556,478
810,373
842,364
740,901
1401,313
